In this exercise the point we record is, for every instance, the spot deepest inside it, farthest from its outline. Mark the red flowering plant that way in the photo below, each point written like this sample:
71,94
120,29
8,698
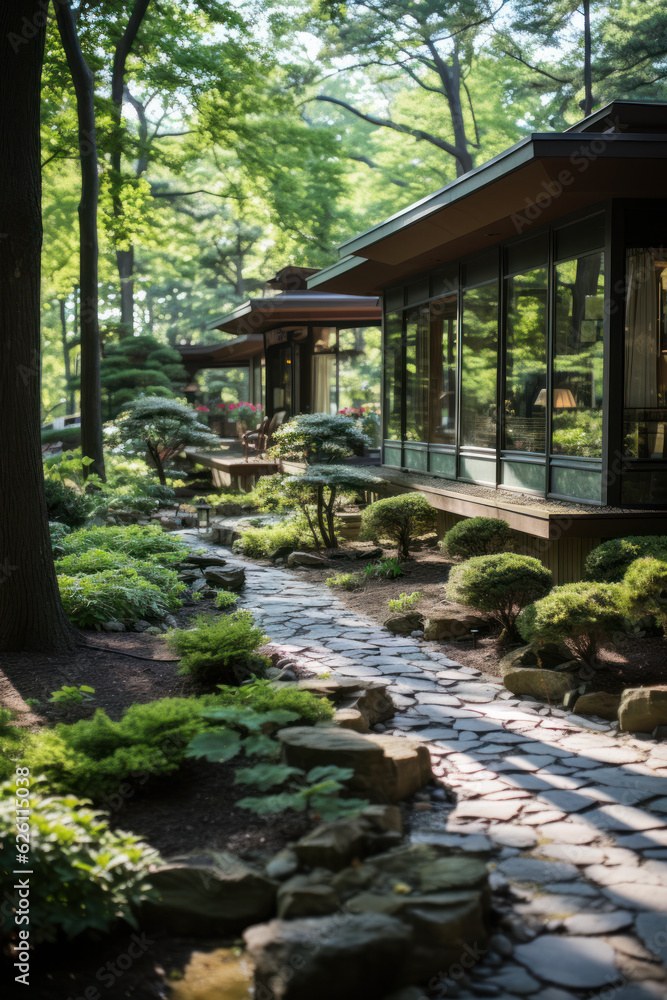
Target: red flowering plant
246,413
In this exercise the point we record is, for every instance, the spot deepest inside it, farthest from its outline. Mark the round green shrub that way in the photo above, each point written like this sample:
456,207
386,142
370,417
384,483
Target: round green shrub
65,504
500,585
85,876
399,518
118,594
584,615
220,649
607,563
645,589
478,536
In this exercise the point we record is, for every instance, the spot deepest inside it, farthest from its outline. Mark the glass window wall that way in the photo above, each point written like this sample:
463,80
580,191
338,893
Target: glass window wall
443,362
416,374
576,395
393,376
526,362
479,359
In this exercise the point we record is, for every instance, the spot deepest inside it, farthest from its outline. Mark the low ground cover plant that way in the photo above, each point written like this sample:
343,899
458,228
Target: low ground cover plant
262,543
85,876
12,742
609,562
386,568
137,540
64,504
401,519
344,581
220,649
70,694
264,696
584,615
405,602
478,536
500,585
120,595
95,561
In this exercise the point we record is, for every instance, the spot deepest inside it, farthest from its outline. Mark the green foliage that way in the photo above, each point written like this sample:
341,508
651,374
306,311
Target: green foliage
478,536
64,504
85,876
225,599
500,585
405,602
316,791
322,490
123,595
344,581
261,543
387,568
585,615
12,741
69,436
645,589
92,561
95,756
319,438
138,541
139,365
247,732
609,562
219,650
265,696
400,518
72,695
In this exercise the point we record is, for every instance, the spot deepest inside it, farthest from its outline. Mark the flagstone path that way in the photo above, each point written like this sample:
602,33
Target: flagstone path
574,813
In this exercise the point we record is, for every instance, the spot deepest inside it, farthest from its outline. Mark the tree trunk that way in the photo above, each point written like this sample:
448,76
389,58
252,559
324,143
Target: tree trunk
125,262
31,615
588,75
69,405
91,394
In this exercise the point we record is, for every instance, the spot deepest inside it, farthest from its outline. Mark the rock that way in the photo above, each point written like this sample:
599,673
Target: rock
283,865
546,656
204,561
309,559
232,578
453,626
141,626
170,621
547,685
282,552
386,768
358,958
375,553
659,733
199,585
113,626
208,894
404,624
350,718
190,575
168,524
642,709
225,534
338,843
370,698
581,962
601,703
309,895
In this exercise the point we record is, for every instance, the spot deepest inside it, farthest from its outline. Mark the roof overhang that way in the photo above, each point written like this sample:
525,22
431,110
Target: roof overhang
541,178
257,316
229,354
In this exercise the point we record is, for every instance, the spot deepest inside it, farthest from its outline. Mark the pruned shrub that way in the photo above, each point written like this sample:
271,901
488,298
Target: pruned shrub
400,519
501,585
84,875
608,563
121,594
319,437
645,589
220,649
584,615
261,543
478,536
65,504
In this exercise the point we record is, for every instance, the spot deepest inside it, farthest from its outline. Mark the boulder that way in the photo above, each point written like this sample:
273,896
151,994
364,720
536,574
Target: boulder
282,865
113,626
310,895
375,553
141,626
453,626
309,559
547,685
190,574
546,656
282,552
208,894
361,703
204,561
601,703
386,768
350,718
232,578
338,843
224,534
405,624
358,957
643,709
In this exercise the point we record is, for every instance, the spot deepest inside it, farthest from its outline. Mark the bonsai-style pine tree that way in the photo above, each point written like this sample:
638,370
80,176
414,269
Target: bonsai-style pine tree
136,365
163,427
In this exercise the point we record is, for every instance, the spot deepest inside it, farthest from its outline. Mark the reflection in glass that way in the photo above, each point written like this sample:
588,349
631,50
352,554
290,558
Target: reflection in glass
442,392
526,362
416,374
578,357
359,368
479,348
393,376
324,391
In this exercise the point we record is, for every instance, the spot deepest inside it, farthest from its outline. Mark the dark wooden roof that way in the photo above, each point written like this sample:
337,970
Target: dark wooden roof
291,309
226,354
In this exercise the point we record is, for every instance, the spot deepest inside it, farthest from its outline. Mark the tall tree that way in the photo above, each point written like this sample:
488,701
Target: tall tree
84,86
31,615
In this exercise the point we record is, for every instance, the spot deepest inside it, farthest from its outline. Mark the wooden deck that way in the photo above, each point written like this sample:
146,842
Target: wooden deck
232,470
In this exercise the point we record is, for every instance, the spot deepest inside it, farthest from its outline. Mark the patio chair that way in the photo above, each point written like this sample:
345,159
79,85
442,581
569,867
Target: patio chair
255,440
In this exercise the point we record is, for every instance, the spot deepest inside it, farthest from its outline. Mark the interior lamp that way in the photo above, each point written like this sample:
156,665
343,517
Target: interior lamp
562,399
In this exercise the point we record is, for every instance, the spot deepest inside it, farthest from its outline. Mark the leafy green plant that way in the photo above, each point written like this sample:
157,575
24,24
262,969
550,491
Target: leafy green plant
645,589
500,585
96,561
12,742
220,649
121,595
259,543
478,536
321,490
405,602
65,504
264,696
72,695
140,541
386,568
84,875
246,732
344,581
609,562
225,599
400,518
316,791
585,615
318,437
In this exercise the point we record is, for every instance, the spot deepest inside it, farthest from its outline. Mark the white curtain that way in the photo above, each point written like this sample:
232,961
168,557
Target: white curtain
641,331
324,373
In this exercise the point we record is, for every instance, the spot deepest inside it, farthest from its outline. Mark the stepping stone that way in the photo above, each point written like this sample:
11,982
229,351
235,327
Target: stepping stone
445,713
553,905
625,777
515,980
615,755
581,962
436,698
576,854
539,818
408,685
598,923
568,833
658,805
568,802
529,762
481,809
638,896
652,929
476,725
624,818
512,836
640,841
534,870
